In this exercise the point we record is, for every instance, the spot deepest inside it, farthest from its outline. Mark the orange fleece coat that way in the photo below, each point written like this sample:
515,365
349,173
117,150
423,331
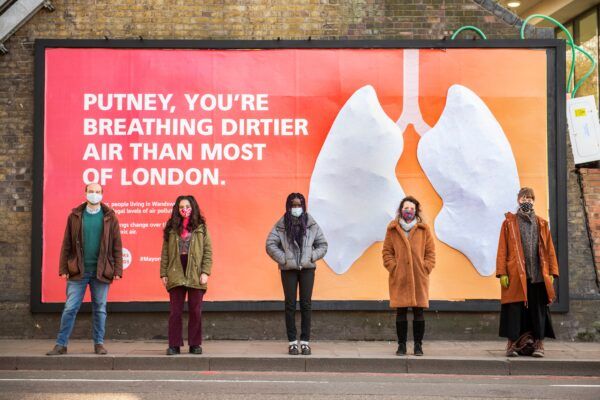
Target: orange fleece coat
409,260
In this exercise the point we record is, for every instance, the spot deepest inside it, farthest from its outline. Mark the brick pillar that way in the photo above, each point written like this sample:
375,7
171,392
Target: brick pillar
590,184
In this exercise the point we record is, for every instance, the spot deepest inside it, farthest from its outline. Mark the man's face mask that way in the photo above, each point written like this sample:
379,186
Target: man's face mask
94,198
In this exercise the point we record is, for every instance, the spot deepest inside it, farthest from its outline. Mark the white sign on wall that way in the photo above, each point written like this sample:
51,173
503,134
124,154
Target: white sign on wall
584,129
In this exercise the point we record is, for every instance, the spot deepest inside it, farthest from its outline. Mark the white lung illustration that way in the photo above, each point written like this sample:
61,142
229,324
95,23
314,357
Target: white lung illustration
354,191
469,162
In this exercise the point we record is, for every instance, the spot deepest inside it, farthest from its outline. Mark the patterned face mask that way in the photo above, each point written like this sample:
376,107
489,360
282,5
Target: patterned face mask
408,215
185,212
526,207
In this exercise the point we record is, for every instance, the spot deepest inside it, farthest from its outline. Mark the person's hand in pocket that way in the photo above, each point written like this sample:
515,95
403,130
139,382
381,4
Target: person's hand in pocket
203,279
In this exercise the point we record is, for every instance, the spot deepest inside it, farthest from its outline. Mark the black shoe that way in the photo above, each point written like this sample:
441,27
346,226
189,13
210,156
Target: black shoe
57,350
305,349
293,350
418,349
195,349
401,349
171,351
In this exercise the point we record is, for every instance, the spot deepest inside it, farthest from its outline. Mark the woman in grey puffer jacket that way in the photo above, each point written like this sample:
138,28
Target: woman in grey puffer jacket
295,243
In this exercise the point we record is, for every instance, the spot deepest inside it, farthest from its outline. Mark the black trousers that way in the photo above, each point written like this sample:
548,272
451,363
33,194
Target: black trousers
516,319
291,280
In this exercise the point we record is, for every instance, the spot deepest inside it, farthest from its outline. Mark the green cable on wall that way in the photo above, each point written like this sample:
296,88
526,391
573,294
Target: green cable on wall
469,28
574,48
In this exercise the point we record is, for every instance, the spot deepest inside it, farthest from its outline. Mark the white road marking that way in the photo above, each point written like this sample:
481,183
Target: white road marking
586,386
153,380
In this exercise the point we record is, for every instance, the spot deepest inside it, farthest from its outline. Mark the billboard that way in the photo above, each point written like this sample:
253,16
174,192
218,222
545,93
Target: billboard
354,126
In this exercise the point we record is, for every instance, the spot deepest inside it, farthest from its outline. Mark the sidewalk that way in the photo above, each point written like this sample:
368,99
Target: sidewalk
441,357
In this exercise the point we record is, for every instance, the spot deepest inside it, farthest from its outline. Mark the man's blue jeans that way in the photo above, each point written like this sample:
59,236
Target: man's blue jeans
75,293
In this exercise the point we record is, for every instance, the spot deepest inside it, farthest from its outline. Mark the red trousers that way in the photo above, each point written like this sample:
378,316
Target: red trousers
176,300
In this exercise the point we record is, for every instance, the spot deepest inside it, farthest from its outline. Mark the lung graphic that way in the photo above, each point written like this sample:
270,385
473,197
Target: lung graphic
354,191
466,156
470,163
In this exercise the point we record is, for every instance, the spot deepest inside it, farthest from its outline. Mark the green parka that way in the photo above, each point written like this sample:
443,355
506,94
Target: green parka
199,259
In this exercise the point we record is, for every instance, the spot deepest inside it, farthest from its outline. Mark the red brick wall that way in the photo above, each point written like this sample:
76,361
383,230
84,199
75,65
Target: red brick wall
590,179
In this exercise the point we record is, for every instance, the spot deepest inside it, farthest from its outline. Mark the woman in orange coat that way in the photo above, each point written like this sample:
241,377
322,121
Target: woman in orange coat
526,265
409,256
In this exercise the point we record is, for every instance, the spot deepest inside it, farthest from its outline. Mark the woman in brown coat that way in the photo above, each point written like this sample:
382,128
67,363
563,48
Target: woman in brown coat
409,256
526,265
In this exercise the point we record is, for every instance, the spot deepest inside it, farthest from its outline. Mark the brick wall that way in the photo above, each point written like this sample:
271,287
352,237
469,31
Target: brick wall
590,182
228,19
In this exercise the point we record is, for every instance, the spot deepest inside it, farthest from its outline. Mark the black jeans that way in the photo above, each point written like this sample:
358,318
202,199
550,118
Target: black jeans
290,280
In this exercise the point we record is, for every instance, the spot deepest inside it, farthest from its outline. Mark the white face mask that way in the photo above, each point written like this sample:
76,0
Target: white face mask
94,198
296,211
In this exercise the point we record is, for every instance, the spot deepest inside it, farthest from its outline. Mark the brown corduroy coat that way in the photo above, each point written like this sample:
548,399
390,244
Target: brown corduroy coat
409,261
511,260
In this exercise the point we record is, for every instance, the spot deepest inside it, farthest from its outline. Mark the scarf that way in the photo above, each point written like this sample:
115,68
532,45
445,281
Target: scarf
407,226
184,232
530,241
297,230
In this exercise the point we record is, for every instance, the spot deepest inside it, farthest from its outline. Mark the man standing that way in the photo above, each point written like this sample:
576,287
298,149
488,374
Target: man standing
526,265
91,254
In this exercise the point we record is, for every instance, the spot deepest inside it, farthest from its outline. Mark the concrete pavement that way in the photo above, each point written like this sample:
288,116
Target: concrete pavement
441,357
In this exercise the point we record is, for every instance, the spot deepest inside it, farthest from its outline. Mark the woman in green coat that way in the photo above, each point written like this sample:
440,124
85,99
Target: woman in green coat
185,265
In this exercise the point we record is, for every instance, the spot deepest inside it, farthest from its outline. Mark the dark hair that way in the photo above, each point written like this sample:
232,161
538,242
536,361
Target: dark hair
93,183
526,192
417,207
175,222
287,217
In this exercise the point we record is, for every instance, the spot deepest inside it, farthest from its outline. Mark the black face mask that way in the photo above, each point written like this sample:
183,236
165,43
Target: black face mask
526,207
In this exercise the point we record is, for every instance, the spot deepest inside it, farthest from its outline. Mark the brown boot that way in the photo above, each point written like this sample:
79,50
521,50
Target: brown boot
511,351
58,350
100,349
539,349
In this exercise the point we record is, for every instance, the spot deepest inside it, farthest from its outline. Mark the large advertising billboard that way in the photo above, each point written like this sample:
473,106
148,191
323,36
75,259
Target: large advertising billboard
354,128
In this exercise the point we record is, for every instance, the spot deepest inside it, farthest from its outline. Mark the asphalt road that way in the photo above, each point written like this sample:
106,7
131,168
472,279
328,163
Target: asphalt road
151,385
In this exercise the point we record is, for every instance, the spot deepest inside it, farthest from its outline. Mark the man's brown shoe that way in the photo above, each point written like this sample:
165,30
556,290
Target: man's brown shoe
539,349
100,349
57,350
511,351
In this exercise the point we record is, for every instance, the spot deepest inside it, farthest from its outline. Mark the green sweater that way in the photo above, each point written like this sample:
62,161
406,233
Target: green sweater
92,235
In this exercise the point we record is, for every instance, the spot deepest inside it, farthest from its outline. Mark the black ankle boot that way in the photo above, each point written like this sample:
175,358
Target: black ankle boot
418,332
171,351
401,332
418,350
401,349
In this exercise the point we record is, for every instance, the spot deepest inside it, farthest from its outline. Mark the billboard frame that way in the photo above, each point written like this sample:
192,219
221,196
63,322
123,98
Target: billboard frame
557,160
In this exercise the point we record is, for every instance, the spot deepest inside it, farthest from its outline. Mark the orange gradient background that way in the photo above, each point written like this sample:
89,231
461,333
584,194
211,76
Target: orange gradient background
311,84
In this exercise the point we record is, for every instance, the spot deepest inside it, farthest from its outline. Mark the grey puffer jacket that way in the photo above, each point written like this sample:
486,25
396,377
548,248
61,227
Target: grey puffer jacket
288,255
